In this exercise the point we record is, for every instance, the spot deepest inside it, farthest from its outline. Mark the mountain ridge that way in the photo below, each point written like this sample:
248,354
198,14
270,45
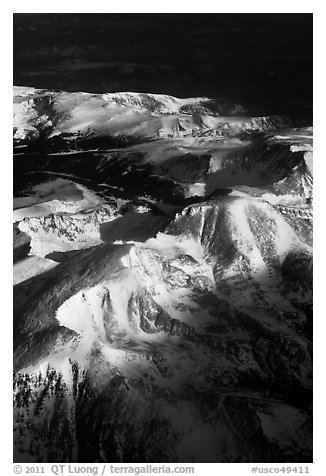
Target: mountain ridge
163,281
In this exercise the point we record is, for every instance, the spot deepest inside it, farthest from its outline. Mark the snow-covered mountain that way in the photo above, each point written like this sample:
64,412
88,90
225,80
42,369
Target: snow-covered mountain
163,280
78,118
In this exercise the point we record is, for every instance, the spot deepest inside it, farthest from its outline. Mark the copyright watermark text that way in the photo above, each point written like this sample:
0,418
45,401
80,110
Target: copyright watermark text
63,469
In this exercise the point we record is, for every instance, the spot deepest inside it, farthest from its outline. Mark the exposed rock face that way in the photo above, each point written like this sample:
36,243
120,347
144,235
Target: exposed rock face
176,324
65,232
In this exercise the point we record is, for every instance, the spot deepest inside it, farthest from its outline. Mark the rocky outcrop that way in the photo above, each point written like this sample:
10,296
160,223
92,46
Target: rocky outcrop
66,231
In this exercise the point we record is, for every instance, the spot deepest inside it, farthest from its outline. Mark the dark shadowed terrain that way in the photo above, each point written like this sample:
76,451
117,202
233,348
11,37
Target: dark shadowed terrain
262,60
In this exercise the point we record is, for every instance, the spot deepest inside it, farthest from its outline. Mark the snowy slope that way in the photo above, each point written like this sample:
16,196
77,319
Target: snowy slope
40,114
197,293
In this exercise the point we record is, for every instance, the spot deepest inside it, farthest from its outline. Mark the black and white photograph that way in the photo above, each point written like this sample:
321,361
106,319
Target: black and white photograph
163,238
